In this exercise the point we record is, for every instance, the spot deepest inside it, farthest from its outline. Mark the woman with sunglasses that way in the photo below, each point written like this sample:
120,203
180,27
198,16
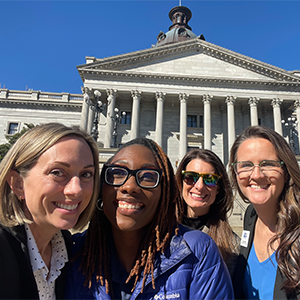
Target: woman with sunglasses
134,248
265,172
206,198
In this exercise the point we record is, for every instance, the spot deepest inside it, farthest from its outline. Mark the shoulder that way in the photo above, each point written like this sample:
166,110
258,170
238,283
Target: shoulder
198,241
78,240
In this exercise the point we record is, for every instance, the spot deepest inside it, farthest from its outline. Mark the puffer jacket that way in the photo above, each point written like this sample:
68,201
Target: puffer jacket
190,268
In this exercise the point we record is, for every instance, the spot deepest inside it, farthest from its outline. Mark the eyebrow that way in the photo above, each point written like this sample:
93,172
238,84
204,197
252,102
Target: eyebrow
68,165
125,162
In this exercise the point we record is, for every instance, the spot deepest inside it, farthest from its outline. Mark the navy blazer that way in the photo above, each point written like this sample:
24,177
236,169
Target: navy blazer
16,277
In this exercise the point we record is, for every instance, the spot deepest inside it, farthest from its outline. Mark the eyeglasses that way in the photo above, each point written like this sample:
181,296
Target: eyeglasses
267,167
190,178
145,178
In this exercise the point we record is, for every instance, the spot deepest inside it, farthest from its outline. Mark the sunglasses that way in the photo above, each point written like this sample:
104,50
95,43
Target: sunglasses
209,179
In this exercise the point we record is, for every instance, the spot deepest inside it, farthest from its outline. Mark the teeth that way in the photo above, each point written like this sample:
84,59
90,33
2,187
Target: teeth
197,195
129,206
258,186
65,206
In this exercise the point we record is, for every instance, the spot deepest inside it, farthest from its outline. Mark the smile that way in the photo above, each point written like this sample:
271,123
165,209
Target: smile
65,206
126,205
253,186
198,196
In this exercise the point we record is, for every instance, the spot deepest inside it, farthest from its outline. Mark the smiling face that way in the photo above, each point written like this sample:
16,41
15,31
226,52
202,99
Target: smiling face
130,207
59,186
258,188
199,197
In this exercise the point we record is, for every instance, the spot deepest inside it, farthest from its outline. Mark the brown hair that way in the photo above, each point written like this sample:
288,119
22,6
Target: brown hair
219,228
24,154
96,252
288,216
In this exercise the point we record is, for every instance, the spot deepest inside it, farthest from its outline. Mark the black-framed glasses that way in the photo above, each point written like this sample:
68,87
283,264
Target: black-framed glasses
145,178
267,167
191,177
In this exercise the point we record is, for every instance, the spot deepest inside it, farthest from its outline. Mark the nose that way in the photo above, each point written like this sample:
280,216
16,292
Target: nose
130,186
199,184
256,172
73,187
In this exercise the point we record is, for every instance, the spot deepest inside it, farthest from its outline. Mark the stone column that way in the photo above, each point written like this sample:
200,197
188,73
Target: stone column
160,97
297,106
207,121
253,101
230,120
85,109
135,121
111,104
183,98
276,102
90,124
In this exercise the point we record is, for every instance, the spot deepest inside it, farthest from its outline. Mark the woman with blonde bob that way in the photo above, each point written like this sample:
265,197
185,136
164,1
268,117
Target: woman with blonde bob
206,199
49,183
266,174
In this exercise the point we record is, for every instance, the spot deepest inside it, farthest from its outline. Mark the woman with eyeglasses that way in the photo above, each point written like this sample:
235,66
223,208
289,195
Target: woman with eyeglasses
134,248
266,174
206,199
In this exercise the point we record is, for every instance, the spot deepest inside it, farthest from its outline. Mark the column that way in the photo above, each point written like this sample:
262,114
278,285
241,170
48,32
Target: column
90,124
160,98
183,98
253,101
297,106
276,102
135,120
85,109
207,121
111,103
230,120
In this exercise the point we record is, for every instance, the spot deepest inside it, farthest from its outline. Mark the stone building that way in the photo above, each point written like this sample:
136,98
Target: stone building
183,92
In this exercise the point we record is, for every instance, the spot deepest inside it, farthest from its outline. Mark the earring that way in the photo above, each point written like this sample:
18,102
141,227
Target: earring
99,204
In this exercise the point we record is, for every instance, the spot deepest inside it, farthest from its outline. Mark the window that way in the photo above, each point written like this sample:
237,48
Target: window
192,121
126,119
201,121
13,128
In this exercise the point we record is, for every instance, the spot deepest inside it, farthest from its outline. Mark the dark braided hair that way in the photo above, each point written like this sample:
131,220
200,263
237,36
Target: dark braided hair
158,233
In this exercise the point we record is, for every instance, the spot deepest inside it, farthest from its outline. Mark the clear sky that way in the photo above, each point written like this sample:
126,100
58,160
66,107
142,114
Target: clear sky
42,42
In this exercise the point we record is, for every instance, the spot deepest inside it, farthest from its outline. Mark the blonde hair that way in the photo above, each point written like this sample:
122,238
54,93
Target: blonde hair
24,154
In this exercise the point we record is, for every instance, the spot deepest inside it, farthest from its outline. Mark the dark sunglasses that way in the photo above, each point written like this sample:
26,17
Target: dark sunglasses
209,179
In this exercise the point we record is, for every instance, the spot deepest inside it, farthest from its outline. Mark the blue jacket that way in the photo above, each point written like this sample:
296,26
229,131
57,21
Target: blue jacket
190,268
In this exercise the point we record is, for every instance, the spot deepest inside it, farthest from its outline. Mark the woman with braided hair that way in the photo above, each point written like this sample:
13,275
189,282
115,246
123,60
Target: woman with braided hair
134,248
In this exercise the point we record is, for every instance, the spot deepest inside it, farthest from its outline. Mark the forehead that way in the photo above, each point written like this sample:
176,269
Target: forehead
200,165
69,147
135,154
258,148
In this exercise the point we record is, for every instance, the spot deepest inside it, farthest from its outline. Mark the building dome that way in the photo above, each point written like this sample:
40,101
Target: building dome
179,30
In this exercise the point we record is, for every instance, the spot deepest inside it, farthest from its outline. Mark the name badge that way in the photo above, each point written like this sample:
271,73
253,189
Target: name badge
245,238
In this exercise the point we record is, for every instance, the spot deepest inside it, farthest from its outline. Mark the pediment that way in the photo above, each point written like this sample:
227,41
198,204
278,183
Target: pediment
195,59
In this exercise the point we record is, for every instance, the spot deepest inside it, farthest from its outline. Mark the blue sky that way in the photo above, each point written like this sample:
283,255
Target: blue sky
42,42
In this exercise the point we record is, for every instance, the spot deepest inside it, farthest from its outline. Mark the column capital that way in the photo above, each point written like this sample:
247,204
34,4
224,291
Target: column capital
160,96
86,90
111,93
230,100
297,103
207,99
183,97
253,101
276,102
136,94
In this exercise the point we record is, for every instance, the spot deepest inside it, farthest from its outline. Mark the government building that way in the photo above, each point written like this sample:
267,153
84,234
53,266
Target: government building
184,92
